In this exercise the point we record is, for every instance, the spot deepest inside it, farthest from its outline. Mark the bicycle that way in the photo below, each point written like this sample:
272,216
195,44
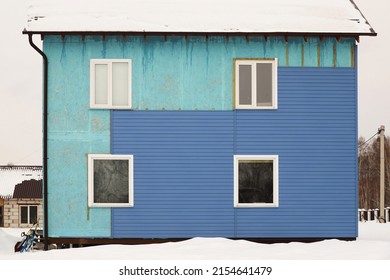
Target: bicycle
29,240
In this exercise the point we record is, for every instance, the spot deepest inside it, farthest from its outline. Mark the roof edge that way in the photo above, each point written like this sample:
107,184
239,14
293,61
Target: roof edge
20,166
190,33
357,8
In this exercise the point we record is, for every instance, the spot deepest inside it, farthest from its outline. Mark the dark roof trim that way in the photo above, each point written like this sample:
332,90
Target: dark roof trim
246,34
357,8
21,167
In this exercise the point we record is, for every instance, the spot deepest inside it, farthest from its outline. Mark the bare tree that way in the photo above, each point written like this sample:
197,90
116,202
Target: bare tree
369,173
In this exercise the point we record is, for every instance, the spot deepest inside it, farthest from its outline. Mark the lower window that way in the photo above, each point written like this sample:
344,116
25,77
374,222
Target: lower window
28,214
256,181
110,180
1,216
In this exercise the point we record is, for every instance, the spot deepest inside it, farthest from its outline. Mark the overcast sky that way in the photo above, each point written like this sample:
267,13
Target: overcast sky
21,84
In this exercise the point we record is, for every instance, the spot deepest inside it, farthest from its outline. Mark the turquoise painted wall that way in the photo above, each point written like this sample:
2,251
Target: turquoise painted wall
73,131
172,74
197,73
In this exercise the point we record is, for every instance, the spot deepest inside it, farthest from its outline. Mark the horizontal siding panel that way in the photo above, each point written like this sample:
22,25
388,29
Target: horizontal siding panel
302,227
189,221
307,217
316,191
310,197
185,163
303,232
170,214
183,172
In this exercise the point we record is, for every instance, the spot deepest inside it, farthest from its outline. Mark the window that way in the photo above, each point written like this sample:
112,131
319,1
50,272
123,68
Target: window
28,214
256,181
256,84
110,180
110,84
1,216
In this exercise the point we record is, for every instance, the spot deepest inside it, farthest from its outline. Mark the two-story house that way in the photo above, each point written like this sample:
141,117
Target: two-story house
179,119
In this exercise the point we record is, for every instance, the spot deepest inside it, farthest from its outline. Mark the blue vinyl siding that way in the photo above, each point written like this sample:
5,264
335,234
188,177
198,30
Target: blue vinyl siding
183,163
182,167
314,134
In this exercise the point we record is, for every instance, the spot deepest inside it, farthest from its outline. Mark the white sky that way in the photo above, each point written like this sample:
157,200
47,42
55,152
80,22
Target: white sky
21,84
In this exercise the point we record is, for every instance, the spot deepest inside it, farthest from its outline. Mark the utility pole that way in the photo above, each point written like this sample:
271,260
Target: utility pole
382,175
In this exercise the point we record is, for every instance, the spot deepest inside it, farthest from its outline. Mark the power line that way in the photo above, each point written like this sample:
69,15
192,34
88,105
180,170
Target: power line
28,155
369,139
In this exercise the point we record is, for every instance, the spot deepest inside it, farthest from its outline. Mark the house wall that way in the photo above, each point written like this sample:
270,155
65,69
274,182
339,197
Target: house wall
183,164
181,75
12,212
184,132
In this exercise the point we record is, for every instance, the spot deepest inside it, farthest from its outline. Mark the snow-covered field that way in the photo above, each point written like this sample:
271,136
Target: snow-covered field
373,244
366,258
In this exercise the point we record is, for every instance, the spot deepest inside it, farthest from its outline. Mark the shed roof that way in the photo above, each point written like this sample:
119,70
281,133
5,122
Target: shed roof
28,189
198,16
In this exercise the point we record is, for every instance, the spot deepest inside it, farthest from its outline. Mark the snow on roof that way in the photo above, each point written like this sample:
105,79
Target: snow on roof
13,175
198,16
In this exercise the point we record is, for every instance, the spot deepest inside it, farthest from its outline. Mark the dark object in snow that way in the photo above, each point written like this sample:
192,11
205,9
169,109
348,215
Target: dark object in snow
29,240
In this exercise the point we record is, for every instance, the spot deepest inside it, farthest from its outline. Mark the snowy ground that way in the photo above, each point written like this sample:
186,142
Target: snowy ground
366,258
373,244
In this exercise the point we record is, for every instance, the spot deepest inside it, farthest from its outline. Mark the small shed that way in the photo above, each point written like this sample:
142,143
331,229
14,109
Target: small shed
25,207
20,195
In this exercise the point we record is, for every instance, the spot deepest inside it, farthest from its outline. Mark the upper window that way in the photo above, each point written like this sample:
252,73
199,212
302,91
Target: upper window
110,84
110,180
256,181
256,84
28,214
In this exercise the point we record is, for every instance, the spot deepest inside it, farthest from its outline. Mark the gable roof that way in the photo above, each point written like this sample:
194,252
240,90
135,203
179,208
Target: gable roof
338,17
28,189
10,175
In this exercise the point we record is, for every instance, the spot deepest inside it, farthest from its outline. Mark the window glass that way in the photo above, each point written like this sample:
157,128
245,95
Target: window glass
33,214
255,181
1,216
264,84
245,84
120,83
110,83
256,84
111,181
24,215
101,84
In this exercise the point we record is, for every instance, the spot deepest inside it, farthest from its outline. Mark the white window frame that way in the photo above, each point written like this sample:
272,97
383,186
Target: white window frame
109,62
252,63
91,158
28,213
275,160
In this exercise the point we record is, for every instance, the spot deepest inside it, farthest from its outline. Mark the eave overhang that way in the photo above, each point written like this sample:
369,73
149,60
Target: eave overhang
186,34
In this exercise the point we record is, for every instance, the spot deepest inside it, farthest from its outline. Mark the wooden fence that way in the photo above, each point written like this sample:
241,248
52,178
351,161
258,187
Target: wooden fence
373,215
